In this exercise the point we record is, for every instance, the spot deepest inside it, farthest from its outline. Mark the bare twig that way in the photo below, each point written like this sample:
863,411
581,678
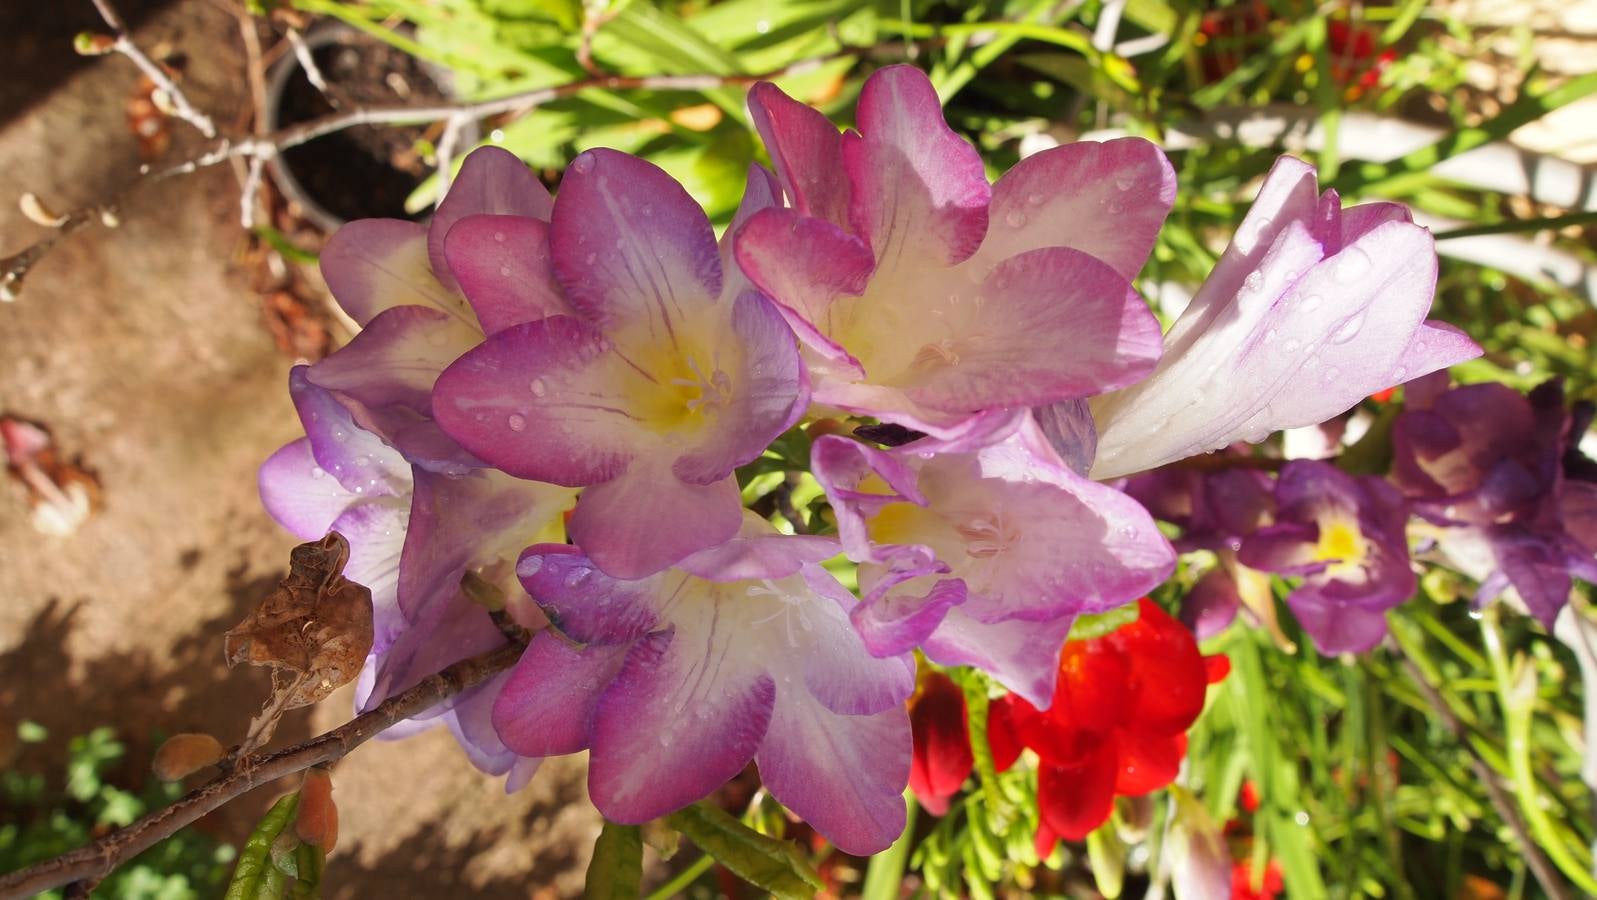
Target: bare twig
446,151
101,857
247,196
1539,866
313,72
181,107
594,14
15,267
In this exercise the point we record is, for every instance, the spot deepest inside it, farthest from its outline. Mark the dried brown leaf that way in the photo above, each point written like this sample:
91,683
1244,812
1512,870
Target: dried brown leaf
181,755
314,631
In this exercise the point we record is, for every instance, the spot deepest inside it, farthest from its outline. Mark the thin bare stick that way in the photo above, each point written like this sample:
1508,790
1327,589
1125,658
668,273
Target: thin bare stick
103,856
446,152
15,267
247,196
181,107
1539,866
313,73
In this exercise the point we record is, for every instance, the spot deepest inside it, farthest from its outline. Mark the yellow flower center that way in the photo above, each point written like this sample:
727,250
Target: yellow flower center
1342,545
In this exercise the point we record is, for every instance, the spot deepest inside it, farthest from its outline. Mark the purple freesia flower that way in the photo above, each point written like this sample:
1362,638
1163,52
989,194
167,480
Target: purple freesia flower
929,299
1216,509
743,652
1485,465
1345,536
394,278
985,558
1310,309
341,477
666,376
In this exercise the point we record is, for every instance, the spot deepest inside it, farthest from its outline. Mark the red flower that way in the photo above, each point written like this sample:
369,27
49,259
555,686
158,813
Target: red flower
1117,725
1242,881
942,759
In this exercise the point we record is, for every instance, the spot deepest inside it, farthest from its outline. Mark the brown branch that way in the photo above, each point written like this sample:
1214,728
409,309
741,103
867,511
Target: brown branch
98,859
181,107
1543,871
264,147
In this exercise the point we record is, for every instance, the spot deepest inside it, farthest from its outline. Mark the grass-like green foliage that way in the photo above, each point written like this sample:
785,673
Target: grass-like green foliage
44,815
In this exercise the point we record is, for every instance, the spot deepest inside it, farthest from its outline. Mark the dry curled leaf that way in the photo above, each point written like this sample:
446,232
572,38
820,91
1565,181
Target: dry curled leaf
314,631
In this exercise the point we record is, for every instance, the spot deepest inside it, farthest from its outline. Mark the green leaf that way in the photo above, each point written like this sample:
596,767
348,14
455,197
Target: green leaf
616,872
255,876
777,866
275,865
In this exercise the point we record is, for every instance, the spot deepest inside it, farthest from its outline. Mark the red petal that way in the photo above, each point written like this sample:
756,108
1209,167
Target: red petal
942,758
1216,668
1148,764
1092,691
1003,735
1168,680
1075,800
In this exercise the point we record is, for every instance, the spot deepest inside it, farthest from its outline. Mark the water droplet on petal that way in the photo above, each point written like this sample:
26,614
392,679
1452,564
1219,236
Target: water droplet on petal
504,271
1291,345
537,387
1115,207
577,576
583,164
1124,182
1015,218
1348,330
1252,283
1399,372
1351,264
531,565
590,258
1035,199
318,473
1312,302
499,237
516,422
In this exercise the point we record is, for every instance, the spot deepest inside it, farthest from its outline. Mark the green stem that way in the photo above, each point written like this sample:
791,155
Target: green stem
1522,777
687,876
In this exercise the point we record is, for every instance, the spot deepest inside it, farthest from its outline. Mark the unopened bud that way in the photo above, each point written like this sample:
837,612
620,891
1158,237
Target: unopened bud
317,821
184,754
87,43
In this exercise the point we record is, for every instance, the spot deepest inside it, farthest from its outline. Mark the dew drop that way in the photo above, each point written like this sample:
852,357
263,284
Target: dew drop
590,258
1034,199
318,473
1351,264
1312,302
1252,283
1291,345
1331,374
531,565
504,271
577,576
537,387
516,423
499,237
1348,330
1399,372
583,164
1124,182
1015,218
1115,207
1269,334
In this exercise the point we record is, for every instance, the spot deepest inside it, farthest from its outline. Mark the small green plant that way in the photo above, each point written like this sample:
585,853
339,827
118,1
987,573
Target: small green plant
42,817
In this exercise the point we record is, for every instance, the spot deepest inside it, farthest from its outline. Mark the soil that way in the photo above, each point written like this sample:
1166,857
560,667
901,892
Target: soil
366,171
145,351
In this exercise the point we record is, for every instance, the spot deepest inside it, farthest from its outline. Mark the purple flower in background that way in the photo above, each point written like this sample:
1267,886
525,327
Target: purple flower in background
1216,510
929,299
666,377
1486,466
744,652
341,477
985,558
1311,309
1345,536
